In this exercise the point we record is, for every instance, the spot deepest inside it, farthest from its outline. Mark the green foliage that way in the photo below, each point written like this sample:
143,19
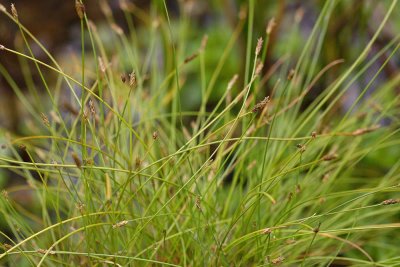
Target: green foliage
182,163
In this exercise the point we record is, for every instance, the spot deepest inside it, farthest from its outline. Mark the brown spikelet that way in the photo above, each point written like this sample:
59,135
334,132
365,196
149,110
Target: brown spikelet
271,25
124,77
314,134
301,147
81,207
92,108
77,160
14,11
80,9
190,58
259,45
261,105
278,260
259,68
45,119
365,130
132,79
330,157
267,231
102,67
291,74
390,201
120,224
155,135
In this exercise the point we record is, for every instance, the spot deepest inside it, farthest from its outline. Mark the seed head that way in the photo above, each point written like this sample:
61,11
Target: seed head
259,67
2,47
101,65
314,134
80,9
271,26
132,79
330,157
45,119
91,107
259,45
260,105
267,231
390,201
120,224
155,135
291,74
278,260
14,11
77,160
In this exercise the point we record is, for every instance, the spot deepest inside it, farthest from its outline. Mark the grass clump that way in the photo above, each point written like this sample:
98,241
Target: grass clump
119,169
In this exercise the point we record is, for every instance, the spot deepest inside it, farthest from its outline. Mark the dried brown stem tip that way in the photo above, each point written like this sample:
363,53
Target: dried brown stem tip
365,130
2,47
80,9
271,26
390,201
204,42
260,106
232,82
3,8
14,11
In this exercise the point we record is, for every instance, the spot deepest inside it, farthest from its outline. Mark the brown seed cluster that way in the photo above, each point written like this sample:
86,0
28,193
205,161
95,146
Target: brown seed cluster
261,105
259,45
14,11
77,160
120,224
45,119
390,201
80,9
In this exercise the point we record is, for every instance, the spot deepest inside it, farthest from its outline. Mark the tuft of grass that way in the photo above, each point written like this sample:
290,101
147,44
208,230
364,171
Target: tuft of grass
255,170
